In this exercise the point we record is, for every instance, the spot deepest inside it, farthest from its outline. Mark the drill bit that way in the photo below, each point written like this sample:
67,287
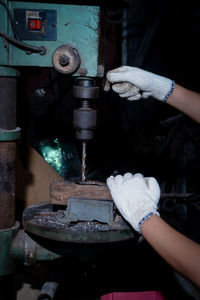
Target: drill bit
83,170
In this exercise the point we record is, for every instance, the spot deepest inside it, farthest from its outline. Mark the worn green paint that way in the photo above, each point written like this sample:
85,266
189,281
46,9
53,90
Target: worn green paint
76,24
8,72
10,135
44,254
32,256
12,253
4,28
7,263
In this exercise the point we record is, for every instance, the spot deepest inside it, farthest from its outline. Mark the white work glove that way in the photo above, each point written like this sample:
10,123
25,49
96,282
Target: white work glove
128,82
135,196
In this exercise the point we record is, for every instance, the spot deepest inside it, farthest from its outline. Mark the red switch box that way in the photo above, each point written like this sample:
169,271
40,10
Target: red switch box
34,24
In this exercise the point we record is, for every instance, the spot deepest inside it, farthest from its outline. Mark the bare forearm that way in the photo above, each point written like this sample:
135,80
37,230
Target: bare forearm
186,101
180,252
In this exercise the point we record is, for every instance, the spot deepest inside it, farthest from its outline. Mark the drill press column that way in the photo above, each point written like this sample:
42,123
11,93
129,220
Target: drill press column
84,118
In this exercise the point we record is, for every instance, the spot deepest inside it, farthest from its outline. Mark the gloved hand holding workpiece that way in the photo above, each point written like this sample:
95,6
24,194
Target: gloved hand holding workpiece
134,83
135,196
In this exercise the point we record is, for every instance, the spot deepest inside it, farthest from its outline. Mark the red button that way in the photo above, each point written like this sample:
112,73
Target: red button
35,24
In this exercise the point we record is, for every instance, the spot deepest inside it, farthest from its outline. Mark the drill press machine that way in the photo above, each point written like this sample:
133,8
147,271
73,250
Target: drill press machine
37,34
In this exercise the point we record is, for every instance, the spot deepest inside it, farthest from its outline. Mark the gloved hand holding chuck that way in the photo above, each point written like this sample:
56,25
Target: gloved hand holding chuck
135,196
134,83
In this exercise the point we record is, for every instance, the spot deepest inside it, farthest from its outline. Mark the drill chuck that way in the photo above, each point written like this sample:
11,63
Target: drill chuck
84,121
85,118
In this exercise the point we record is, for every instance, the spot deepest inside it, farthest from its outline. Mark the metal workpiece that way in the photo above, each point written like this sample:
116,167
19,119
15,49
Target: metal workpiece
7,262
89,210
66,59
7,184
26,250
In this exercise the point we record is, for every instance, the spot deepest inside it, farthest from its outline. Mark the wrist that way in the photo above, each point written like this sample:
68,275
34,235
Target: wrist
169,92
145,219
152,221
162,88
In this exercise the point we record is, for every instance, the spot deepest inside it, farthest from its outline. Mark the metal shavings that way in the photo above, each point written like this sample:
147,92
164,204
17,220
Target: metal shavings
89,227
56,221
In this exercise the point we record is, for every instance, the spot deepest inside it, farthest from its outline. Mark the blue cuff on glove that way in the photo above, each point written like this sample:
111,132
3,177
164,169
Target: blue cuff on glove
146,218
169,92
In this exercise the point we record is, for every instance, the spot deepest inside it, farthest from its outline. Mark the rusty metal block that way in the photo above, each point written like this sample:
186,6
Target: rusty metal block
89,210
